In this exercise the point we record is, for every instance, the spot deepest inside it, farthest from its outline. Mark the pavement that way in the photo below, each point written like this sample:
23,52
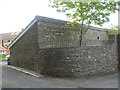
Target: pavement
2,63
13,77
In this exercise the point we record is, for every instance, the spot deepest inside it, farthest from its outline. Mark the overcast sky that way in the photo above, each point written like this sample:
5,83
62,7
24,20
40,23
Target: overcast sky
17,14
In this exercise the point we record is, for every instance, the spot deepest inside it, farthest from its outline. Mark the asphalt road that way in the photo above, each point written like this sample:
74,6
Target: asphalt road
15,79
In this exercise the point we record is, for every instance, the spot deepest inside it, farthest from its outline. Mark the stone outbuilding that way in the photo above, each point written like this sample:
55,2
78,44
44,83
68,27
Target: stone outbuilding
47,47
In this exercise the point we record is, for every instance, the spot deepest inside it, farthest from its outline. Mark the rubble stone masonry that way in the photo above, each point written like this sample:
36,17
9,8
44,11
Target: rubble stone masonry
51,50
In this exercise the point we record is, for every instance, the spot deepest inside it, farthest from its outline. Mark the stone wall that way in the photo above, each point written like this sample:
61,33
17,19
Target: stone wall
79,61
95,37
56,35
68,62
50,49
22,53
118,46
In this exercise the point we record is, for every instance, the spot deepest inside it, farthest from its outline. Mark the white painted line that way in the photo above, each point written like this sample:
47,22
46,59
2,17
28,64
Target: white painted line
23,70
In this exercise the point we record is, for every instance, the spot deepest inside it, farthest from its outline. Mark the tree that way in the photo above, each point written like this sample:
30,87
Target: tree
84,14
114,30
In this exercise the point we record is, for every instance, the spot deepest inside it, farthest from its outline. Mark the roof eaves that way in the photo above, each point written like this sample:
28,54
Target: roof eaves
48,19
22,33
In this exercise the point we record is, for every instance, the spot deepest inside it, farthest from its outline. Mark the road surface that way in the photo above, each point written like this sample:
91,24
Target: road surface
15,79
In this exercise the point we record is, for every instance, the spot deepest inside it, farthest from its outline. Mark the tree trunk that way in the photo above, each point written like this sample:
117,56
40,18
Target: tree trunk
81,37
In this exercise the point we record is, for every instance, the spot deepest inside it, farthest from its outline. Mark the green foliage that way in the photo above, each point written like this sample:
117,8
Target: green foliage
84,14
2,57
113,30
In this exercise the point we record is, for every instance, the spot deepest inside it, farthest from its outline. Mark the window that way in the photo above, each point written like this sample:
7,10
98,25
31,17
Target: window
5,42
2,52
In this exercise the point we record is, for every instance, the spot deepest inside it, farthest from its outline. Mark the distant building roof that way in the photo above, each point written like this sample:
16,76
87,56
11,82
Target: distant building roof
8,36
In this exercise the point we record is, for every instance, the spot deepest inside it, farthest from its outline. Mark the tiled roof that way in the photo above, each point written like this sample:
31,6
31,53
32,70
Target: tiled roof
8,36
